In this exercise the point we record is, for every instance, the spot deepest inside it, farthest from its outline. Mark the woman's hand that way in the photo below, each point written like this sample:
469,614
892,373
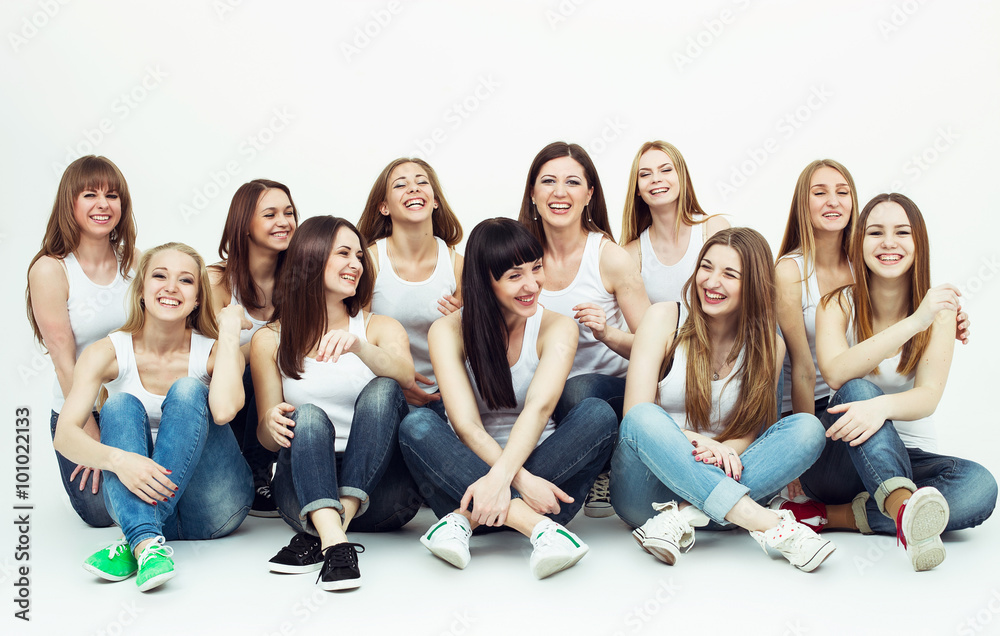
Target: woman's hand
336,342
232,318
91,429
417,396
449,304
940,298
795,490
725,457
279,425
962,327
541,495
490,495
144,478
593,317
860,420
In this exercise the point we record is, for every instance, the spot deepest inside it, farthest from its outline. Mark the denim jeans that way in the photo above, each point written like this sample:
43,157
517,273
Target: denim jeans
244,427
214,487
883,463
653,463
570,458
311,475
580,387
89,506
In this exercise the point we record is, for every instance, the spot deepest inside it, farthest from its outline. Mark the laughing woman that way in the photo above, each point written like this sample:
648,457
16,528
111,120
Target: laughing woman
327,377
708,383
170,471
502,363
885,344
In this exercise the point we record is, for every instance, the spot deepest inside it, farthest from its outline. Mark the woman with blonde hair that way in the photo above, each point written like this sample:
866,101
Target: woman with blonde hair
172,468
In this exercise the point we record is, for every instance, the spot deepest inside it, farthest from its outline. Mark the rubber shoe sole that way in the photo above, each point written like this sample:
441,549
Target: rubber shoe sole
814,562
662,550
924,519
543,568
105,575
341,585
457,558
157,581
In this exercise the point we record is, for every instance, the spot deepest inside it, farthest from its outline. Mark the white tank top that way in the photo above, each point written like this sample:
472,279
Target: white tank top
246,334
499,423
94,311
725,393
332,386
414,304
128,380
810,298
592,356
665,282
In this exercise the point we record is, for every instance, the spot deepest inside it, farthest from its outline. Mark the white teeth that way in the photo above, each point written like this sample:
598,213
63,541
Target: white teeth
169,302
559,206
101,217
524,299
280,234
414,203
713,295
658,191
831,215
348,277
889,257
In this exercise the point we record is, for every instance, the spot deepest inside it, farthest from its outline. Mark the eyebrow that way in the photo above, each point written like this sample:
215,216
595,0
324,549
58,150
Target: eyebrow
569,176
659,167
823,185
418,175
879,225
274,207
183,271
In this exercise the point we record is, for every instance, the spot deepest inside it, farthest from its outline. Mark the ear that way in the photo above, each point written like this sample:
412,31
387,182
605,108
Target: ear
590,193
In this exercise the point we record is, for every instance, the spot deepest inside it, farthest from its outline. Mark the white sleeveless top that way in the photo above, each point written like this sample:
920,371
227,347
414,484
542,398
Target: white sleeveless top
666,282
332,386
246,334
414,304
499,423
810,299
128,380
94,311
725,393
592,356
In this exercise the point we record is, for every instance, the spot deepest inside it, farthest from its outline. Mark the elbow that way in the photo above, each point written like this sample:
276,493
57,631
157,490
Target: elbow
226,413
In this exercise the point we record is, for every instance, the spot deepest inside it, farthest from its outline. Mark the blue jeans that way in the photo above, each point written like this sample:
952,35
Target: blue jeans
570,458
883,463
214,487
580,387
653,463
244,427
311,475
89,506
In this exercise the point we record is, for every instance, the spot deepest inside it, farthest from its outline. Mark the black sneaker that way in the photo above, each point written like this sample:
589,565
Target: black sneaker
263,502
340,567
301,555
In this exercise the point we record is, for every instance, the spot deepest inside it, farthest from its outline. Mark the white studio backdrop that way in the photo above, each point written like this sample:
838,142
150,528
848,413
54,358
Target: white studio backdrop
191,99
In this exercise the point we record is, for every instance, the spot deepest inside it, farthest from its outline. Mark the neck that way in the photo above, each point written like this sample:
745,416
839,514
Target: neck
336,312
564,241
262,264
722,329
890,298
664,222
162,338
514,324
412,242
92,250
829,249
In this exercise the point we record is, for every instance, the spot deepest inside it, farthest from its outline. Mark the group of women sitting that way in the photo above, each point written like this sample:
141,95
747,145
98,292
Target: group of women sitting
386,371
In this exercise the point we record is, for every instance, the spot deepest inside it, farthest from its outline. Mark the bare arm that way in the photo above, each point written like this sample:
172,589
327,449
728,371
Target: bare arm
387,352
793,328
274,428
621,277
226,364
97,365
652,339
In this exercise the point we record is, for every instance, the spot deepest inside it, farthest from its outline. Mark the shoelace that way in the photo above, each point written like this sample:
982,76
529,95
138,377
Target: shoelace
600,491
155,548
301,543
900,537
454,530
672,524
342,555
117,547
264,491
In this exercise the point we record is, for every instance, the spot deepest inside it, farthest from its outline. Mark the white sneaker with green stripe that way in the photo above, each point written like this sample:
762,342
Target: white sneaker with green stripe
448,539
555,549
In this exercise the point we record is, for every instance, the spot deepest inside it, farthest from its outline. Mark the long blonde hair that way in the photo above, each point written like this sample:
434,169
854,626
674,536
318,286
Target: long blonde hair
636,216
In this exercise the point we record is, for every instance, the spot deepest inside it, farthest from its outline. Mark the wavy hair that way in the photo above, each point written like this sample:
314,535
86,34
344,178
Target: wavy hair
636,216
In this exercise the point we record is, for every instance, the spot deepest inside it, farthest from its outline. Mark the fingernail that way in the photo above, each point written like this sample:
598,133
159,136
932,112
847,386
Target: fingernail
729,474
694,452
172,495
164,499
169,472
154,503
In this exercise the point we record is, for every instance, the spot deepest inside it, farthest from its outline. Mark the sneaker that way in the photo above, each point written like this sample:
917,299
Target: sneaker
340,567
554,549
263,503
667,533
113,563
155,565
448,539
919,524
808,513
796,542
301,555
598,504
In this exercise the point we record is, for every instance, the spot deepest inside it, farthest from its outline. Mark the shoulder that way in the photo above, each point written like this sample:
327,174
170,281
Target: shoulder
557,325
447,326
632,249
616,261
716,222
48,270
787,271
664,313
100,359
265,338
220,283
378,324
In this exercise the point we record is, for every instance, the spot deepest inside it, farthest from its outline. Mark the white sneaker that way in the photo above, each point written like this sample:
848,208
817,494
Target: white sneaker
555,549
667,533
919,525
448,539
795,541
598,504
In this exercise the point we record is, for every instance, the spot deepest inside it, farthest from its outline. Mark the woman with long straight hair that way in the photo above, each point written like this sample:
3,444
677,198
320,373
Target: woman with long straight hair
701,443
327,377
262,219
77,284
885,344
172,467
502,363
413,233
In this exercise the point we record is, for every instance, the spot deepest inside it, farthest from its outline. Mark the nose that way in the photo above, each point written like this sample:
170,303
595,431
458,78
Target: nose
102,200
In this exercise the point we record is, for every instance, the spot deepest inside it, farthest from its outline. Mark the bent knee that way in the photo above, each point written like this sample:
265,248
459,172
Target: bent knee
856,390
188,389
418,426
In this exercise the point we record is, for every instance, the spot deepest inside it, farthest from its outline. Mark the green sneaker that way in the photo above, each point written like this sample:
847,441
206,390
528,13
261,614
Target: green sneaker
155,565
113,563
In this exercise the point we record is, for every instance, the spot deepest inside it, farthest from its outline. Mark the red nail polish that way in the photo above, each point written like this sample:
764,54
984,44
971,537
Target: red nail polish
172,495
154,503
170,472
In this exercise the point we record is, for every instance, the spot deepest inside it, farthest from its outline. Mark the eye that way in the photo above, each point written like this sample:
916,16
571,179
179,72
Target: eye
158,276
268,215
706,267
396,186
423,182
668,169
547,180
644,173
573,182
111,195
819,193
187,280
536,267
844,193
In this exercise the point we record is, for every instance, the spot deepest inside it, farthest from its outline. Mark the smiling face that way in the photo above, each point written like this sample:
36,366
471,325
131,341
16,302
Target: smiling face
170,287
410,195
719,280
343,267
888,245
517,289
273,221
656,179
97,211
560,192
829,200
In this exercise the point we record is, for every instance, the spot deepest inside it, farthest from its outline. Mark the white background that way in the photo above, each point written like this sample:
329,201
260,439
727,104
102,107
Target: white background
191,99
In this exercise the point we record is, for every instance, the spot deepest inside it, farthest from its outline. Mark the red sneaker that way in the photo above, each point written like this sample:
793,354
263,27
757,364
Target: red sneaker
809,513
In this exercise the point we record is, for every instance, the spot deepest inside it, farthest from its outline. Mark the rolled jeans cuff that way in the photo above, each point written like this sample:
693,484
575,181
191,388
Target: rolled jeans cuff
317,505
889,485
722,499
360,495
861,513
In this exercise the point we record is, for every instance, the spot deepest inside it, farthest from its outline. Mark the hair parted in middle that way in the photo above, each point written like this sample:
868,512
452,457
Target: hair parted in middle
201,319
494,246
300,294
374,225
756,334
636,216
595,218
